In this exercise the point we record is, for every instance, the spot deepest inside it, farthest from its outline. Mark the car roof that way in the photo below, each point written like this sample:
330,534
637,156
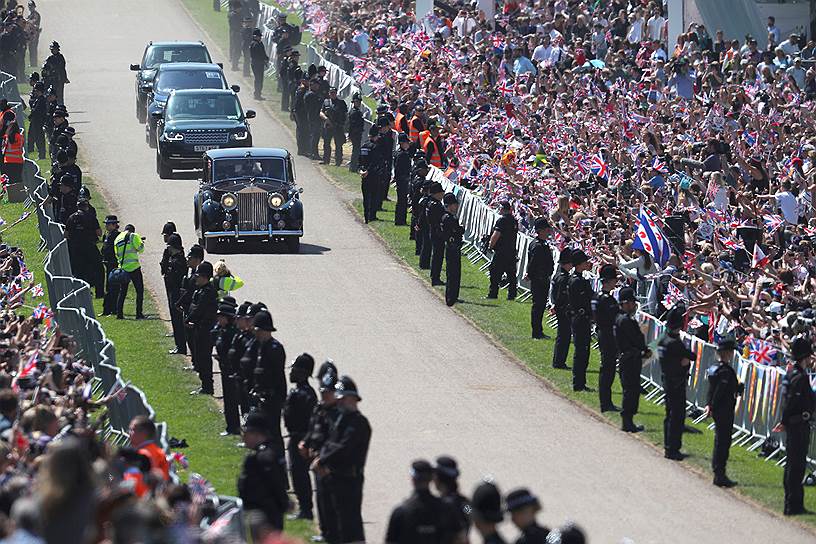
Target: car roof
190,66
241,152
176,43
203,91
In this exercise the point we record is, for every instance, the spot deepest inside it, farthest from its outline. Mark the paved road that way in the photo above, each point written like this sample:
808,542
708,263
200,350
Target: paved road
431,384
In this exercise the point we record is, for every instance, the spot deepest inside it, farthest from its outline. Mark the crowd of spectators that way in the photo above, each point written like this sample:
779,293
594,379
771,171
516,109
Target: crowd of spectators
581,112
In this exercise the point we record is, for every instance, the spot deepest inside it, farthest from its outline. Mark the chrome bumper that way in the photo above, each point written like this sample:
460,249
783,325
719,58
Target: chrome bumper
235,234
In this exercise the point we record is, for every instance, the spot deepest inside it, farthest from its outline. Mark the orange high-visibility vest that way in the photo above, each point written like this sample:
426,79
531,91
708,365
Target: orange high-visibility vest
398,121
413,131
423,137
13,150
436,157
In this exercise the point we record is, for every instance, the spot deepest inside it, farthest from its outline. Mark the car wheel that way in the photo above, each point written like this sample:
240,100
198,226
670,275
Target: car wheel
162,169
141,112
151,136
293,244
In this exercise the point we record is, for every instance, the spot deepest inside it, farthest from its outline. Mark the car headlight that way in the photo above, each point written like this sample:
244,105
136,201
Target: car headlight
242,135
276,201
161,103
229,201
148,75
175,136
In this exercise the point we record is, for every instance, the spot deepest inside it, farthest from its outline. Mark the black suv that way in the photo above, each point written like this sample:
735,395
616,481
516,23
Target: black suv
196,121
157,53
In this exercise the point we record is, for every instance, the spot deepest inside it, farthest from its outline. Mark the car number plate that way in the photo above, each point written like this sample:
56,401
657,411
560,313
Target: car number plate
204,147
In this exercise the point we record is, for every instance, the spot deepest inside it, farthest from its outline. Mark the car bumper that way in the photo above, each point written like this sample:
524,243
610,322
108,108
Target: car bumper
271,233
179,154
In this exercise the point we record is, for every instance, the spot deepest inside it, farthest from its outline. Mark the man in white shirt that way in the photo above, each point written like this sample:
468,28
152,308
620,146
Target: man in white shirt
786,203
543,52
774,35
361,37
797,73
791,45
635,34
464,24
658,53
654,26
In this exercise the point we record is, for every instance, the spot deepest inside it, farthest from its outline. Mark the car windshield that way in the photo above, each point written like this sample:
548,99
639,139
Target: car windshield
249,166
189,79
202,106
159,54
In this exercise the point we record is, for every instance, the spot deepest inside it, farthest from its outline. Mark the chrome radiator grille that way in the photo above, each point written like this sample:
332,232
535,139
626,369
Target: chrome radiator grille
253,209
206,137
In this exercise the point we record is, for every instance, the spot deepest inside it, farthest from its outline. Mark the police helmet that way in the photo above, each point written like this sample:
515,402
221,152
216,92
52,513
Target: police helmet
305,363
449,199
263,321
346,387
608,272
801,348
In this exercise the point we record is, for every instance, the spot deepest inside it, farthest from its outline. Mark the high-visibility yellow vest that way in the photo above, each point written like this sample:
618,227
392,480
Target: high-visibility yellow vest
227,284
128,254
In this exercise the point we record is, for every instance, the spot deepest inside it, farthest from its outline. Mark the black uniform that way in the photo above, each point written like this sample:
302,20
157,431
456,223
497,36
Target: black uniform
54,74
36,126
285,75
240,343
336,112
246,43
235,20
798,406
110,262
452,233
356,125
173,270
372,161
320,425
422,518
223,338
299,114
185,299
606,313
504,257
86,262
262,483
258,60
723,389
580,303
560,301
539,271
671,351
424,232
269,382
631,348
344,455
533,534
202,315
417,192
297,411
434,211
402,180
312,102
386,141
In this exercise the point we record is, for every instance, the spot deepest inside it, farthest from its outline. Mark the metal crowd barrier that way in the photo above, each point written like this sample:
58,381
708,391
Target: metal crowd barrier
72,304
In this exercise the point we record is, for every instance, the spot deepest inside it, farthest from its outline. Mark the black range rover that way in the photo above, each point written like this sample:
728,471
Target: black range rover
195,121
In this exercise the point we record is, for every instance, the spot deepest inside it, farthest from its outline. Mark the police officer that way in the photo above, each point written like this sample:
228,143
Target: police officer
234,19
423,228
174,269
36,120
342,459
798,406
201,319
559,297
322,420
53,72
269,374
632,350
523,507
297,411
127,247
356,125
240,343
369,173
402,178
290,77
503,244
580,303
34,24
109,260
434,211
258,60
446,475
195,256
388,143
300,116
83,232
312,102
247,30
487,512
419,188
723,390
675,359
606,312
333,114
422,518
452,233
262,483
539,271
223,336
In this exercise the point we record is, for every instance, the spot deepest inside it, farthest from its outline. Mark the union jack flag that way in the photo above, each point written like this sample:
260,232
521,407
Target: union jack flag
673,296
772,222
598,166
37,291
41,311
498,41
760,351
660,166
200,488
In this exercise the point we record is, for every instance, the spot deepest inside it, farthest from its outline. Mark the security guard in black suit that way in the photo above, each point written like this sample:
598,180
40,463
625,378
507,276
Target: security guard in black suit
417,187
174,269
334,114
723,390
195,256
297,411
402,178
539,271
312,102
82,231
423,242
452,233
223,335
675,358
632,350
503,244
262,483
341,462
201,319
798,407
110,262
423,518
258,60
320,425
580,303
446,475
370,170
559,297
356,126
523,507
240,343
606,312
269,374
434,212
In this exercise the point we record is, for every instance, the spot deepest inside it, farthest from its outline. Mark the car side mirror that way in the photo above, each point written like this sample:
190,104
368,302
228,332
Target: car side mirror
220,65
249,114
300,190
147,87
156,115
135,67
236,88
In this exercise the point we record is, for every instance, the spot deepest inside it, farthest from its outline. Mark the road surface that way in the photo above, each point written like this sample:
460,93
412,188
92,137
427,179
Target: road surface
431,383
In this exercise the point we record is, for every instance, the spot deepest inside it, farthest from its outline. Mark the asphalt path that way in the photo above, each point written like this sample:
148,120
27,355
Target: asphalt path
431,383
